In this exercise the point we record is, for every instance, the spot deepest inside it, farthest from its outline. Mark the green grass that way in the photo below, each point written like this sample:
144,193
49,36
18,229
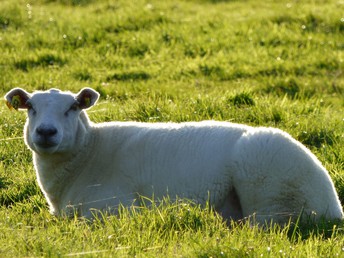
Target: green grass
263,63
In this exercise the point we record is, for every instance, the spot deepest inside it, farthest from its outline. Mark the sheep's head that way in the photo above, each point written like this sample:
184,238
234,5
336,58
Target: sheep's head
53,117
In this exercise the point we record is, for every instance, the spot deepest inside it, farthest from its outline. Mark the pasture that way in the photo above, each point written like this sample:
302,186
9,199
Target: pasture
262,63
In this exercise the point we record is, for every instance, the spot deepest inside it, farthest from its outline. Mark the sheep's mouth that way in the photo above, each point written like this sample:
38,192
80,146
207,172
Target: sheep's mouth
45,146
45,149
45,142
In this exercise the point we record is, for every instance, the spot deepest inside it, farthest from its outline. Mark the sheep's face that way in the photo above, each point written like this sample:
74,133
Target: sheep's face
53,117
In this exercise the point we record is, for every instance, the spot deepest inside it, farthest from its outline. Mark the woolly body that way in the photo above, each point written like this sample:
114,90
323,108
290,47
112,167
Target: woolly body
241,170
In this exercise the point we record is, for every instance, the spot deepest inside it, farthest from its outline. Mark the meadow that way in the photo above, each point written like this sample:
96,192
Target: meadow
263,63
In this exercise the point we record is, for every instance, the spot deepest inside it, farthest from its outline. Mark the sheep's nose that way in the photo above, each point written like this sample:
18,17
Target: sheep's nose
46,131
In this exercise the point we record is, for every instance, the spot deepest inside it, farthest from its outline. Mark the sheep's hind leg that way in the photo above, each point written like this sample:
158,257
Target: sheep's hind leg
278,179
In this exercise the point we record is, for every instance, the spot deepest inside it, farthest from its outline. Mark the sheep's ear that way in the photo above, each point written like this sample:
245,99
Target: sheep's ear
17,98
87,97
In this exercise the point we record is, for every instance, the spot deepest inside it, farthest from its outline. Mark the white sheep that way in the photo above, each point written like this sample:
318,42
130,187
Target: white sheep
241,170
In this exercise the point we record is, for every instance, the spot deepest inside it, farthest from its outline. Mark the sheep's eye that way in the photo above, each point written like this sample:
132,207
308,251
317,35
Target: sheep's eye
30,108
73,107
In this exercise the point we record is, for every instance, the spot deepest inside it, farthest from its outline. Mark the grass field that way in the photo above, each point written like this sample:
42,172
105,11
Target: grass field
263,63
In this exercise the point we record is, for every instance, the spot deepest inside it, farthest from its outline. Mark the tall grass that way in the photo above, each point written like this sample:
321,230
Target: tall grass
263,63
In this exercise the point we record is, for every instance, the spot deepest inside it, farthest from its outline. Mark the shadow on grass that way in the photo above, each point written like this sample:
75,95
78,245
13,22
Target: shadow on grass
45,60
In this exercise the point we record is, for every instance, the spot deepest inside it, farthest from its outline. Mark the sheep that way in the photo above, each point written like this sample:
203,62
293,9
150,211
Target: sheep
83,167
